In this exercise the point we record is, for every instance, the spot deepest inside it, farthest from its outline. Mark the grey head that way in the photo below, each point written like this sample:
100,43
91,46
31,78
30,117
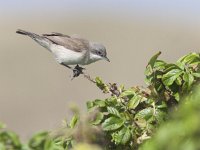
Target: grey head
98,51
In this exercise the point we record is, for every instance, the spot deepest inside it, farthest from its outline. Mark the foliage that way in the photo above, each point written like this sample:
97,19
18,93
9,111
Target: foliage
128,117
182,131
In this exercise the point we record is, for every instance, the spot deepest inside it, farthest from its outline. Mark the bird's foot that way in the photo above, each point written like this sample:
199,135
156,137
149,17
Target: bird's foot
77,71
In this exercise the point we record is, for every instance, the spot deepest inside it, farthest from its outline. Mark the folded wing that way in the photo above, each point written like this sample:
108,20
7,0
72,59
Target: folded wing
74,43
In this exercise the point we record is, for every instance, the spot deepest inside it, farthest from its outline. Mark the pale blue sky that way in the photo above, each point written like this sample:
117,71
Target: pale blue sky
186,8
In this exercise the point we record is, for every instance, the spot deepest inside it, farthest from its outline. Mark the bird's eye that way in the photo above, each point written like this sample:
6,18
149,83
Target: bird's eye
99,53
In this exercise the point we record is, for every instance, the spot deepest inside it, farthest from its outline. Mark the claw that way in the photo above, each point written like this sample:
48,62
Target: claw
77,71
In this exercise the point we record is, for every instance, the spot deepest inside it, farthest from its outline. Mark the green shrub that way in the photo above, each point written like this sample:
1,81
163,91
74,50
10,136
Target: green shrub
128,118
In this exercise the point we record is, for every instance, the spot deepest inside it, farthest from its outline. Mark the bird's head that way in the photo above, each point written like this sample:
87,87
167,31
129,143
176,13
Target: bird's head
98,52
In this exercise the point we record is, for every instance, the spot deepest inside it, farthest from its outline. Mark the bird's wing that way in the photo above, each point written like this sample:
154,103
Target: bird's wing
55,34
73,43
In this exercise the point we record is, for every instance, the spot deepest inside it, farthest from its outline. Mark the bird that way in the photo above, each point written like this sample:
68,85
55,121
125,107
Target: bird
70,50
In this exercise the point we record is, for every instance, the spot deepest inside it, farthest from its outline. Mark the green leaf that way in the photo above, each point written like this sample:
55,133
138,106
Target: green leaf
192,58
134,101
38,140
129,92
100,103
48,145
96,103
189,79
170,67
90,105
98,119
73,121
101,85
146,113
160,65
160,116
112,123
180,65
123,136
99,81
113,111
169,78
177,96
11,138
196,74
178,81
162,105
150,66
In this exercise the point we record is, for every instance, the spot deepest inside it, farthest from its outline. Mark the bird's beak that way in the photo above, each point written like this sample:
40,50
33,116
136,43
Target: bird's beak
106,58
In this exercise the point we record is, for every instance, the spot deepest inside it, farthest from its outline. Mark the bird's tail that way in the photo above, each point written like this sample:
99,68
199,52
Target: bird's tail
23,32
39,39
19,31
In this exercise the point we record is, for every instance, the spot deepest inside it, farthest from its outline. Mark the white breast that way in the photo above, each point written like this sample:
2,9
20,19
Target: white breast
67,56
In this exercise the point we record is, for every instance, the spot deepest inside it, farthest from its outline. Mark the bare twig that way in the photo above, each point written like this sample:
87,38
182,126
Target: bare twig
89,78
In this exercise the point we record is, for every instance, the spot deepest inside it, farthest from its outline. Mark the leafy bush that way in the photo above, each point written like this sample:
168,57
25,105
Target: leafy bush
128,117
181,132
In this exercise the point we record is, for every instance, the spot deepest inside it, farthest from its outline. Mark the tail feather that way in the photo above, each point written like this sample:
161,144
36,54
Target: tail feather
19,31
30,34
39,39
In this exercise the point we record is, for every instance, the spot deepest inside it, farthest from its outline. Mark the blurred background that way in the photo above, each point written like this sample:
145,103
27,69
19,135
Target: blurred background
36,92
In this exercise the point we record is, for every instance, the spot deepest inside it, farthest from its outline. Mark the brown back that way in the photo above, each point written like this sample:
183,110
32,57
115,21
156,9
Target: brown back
73,43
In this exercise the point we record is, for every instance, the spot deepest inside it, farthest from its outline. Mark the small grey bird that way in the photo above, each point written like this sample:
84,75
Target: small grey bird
70,50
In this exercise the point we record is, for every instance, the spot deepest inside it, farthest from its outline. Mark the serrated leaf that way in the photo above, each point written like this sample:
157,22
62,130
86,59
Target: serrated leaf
169,78
73,121
98,119
134,101
125,135
113,111
112,123
122,137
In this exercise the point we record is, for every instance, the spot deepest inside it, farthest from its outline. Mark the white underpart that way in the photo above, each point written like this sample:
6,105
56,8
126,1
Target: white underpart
69,57
94,58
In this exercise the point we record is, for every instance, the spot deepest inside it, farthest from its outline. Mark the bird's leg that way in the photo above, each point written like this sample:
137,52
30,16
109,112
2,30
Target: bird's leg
77,71
66,66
